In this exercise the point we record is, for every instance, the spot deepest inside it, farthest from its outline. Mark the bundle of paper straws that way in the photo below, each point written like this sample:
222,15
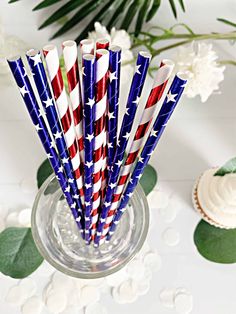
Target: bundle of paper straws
80,135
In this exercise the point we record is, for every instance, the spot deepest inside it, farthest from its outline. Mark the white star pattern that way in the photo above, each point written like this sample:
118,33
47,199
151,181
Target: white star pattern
36,59
109,145
83,71
41,112
126,136
52,145
48,102
153,133
89,137
141,159
57,135
70,180
49,155
67,189
25,73
23,90
139,176
112,185
60,169
87,203
129,194
113,76
78,220
76,196
73,205
131,180
126,111
111,115
89,164
171,97
136,101
37,127
150,154
65,160
119,163
88,185
90,102
137,66
118,142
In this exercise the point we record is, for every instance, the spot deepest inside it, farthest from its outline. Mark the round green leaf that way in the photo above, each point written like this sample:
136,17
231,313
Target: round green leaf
228,167
19,256
148,179
44,171
215,244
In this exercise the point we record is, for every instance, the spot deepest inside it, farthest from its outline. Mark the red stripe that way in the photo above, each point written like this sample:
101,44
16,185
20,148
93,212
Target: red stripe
57,84
131,158
81,143
142,130
96,196
78,114
96,177
103,45
123,179
73,149
77,173
98,154
116,198
99,125
66,120
73,77
101,87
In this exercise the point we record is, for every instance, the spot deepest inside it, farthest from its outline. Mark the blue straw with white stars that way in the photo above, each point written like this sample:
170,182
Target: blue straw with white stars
169,104
113,101
48,103
89,116
142,64
25,88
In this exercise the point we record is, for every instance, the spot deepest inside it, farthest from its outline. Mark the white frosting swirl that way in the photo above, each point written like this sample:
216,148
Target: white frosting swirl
217,197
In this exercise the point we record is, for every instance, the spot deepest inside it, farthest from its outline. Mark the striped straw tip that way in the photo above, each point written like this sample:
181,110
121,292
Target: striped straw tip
69,43
102,52
115,48
145,54
102,41
32,52
168,62
49,47
183,75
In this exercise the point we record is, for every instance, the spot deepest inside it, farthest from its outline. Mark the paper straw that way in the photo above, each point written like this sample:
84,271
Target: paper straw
102,64
32,106
70,53
169,104
113,101
142,64
89,114
41,82
54,71
102,43
159,84
87,46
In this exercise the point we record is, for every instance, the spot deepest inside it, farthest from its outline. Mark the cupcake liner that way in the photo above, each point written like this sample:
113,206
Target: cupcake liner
200,210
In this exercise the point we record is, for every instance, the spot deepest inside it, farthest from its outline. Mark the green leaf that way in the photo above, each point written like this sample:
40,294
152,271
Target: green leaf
118,11
44,4
154,8
173,8
132,10
78,17
62,11
19,256
44,171
228,167
141,16
215,244
148,179
63,72
181,2
12,1
226,22
97,18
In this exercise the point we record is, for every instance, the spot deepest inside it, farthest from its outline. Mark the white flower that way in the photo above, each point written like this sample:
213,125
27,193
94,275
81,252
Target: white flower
116,37
205,74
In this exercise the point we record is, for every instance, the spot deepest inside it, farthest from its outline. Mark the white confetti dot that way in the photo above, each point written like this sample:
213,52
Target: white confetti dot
28,186
117,278
158,199
183,303
62,282
15,295
127,292
153,260
56,301
135,269
171,237
88,295
33,305
96,308
29,287
168,213
24,217
167,297
143,287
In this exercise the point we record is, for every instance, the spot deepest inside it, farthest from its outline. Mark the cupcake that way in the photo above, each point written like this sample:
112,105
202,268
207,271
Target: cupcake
214,197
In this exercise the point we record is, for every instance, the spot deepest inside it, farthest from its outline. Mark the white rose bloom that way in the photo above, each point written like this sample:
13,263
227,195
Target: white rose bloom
205,74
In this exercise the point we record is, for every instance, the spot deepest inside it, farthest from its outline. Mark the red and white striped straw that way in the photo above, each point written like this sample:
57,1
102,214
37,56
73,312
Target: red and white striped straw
159,84
87,46
70,53
52,60
102,43
102,67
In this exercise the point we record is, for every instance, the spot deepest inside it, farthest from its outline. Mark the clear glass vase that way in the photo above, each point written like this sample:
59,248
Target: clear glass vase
59,241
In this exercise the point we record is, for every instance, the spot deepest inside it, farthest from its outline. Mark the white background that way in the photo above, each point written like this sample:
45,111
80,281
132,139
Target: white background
198,137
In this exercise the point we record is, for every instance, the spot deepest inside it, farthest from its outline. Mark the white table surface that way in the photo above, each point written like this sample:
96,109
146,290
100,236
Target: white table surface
199,136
